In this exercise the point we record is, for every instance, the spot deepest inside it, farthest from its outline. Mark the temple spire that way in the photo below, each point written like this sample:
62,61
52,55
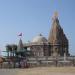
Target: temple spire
57,38
54,33
20,45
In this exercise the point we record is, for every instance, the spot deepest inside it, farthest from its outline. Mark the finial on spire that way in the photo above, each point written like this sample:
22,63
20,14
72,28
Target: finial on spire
55,15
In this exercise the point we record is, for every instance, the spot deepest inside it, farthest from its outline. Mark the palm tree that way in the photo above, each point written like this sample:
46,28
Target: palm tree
8,50
14,49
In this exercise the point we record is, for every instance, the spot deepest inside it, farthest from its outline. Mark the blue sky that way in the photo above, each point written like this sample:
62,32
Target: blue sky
32,17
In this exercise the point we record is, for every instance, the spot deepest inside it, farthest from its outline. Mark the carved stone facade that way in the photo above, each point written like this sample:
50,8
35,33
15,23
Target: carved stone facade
40,50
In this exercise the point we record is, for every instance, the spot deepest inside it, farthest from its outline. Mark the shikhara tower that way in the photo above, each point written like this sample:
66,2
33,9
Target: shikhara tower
57,39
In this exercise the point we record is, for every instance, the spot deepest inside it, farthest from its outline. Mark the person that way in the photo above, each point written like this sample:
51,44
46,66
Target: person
26,65
1,61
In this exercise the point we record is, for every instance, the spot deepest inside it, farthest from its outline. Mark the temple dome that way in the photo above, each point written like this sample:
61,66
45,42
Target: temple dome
39,39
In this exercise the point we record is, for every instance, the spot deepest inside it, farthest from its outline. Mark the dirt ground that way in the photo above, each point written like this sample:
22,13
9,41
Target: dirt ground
40,71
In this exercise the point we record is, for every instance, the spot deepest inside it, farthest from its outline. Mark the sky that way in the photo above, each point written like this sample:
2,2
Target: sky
32,17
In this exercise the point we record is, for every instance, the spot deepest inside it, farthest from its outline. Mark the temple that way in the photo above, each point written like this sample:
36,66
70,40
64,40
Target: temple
56,45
